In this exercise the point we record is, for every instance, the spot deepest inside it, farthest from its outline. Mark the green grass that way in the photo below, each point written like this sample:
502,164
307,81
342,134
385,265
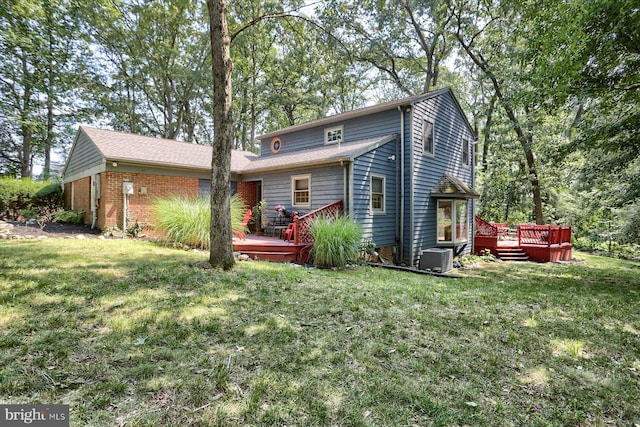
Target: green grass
130,333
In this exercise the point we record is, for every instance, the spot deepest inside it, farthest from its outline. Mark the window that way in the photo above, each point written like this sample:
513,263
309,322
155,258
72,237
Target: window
428,145
453,221
333,135
465,152
301,191
377,190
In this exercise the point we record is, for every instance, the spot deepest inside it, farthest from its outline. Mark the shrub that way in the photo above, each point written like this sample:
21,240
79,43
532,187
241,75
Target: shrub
48,198
187,220
16,195
69,217
336,241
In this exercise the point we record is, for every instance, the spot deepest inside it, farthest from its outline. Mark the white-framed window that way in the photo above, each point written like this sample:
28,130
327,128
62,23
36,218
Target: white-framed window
333,135
466,152
301,191
428,137
377,191
453,221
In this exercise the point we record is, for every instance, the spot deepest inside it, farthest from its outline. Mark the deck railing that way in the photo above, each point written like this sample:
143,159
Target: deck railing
546,235
302,223
490,229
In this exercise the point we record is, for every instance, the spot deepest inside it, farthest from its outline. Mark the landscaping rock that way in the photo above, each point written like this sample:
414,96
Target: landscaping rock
5,227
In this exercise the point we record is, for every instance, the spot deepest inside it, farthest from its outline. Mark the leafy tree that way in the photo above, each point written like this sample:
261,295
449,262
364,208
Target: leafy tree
40,69
154,58
403,40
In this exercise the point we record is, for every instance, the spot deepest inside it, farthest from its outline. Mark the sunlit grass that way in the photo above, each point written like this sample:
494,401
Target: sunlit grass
131,333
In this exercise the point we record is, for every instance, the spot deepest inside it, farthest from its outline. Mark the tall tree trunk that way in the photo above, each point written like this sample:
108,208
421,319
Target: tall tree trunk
525,139
221,251
26,126
487,134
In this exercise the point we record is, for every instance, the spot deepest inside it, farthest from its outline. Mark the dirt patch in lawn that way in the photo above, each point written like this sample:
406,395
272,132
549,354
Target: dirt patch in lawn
21,230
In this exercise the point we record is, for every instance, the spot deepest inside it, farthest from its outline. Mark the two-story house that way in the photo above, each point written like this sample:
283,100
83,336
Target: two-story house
403,169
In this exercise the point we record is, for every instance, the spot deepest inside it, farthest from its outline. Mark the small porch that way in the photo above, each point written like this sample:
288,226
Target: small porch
281,246
272,248
542,243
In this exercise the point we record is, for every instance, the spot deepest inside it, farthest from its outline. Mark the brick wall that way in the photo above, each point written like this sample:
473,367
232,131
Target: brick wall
110,213
81,197
247,191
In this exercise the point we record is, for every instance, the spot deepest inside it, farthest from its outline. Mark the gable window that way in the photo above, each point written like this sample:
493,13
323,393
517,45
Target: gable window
465,152
377,190
453,221
333,135
428,145
301,191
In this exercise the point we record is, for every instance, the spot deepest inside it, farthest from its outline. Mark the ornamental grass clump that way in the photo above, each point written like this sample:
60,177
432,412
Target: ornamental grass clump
187,220
336,241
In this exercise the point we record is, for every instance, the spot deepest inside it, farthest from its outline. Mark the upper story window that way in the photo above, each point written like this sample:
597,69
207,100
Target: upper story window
377,190
428,140
466,152
334,135
301,191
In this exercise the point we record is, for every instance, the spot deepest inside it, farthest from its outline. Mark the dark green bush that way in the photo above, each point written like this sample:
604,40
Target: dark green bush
69,217
17,195
49,198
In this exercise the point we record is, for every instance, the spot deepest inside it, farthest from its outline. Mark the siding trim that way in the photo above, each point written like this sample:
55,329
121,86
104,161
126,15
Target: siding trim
85,173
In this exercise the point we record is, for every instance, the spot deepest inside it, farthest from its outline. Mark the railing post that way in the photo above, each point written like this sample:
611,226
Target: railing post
295,228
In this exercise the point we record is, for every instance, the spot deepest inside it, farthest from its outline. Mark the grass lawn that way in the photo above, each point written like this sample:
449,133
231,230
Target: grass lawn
130,333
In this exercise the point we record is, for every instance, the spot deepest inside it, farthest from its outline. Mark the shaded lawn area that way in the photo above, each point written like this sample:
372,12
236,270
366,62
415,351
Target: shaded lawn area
130,333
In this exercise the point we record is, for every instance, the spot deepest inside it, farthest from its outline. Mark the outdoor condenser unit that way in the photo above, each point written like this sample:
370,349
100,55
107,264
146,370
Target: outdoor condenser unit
436,259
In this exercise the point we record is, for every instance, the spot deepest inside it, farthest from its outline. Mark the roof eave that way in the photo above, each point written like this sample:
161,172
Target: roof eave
455,195
301,165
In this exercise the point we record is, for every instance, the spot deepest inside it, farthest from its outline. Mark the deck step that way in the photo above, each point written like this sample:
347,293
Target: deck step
279,256
512,254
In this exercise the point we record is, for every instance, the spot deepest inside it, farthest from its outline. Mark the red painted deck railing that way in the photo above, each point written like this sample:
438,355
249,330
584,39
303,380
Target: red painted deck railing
546,235
301,223
490,229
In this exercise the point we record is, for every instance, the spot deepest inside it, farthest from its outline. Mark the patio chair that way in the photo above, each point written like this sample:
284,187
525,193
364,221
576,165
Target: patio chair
288,233
240,234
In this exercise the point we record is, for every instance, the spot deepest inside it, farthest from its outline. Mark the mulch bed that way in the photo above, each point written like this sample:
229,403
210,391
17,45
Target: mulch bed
51,230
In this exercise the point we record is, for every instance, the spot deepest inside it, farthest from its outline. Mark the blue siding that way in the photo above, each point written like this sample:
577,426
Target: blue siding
450,130
383,123
327,186
380,227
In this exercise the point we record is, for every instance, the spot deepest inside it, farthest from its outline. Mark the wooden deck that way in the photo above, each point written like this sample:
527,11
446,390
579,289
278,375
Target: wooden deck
543,243
268,248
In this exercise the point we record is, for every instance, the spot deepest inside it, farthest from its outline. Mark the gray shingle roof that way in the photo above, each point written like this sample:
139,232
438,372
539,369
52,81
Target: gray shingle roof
450,186
123,146
317,156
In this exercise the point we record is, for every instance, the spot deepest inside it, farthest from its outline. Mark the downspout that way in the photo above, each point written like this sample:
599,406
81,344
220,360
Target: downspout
347,191
402,186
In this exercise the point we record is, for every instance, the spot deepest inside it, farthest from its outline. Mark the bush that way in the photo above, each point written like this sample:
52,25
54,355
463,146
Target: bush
69,217
187,220
49,198
336,241
16,195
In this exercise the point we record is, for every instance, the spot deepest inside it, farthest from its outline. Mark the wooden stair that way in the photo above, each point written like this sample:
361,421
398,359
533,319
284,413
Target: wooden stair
512,254
275,251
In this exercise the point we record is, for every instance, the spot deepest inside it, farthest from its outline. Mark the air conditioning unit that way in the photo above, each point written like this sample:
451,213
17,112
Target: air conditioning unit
436,259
